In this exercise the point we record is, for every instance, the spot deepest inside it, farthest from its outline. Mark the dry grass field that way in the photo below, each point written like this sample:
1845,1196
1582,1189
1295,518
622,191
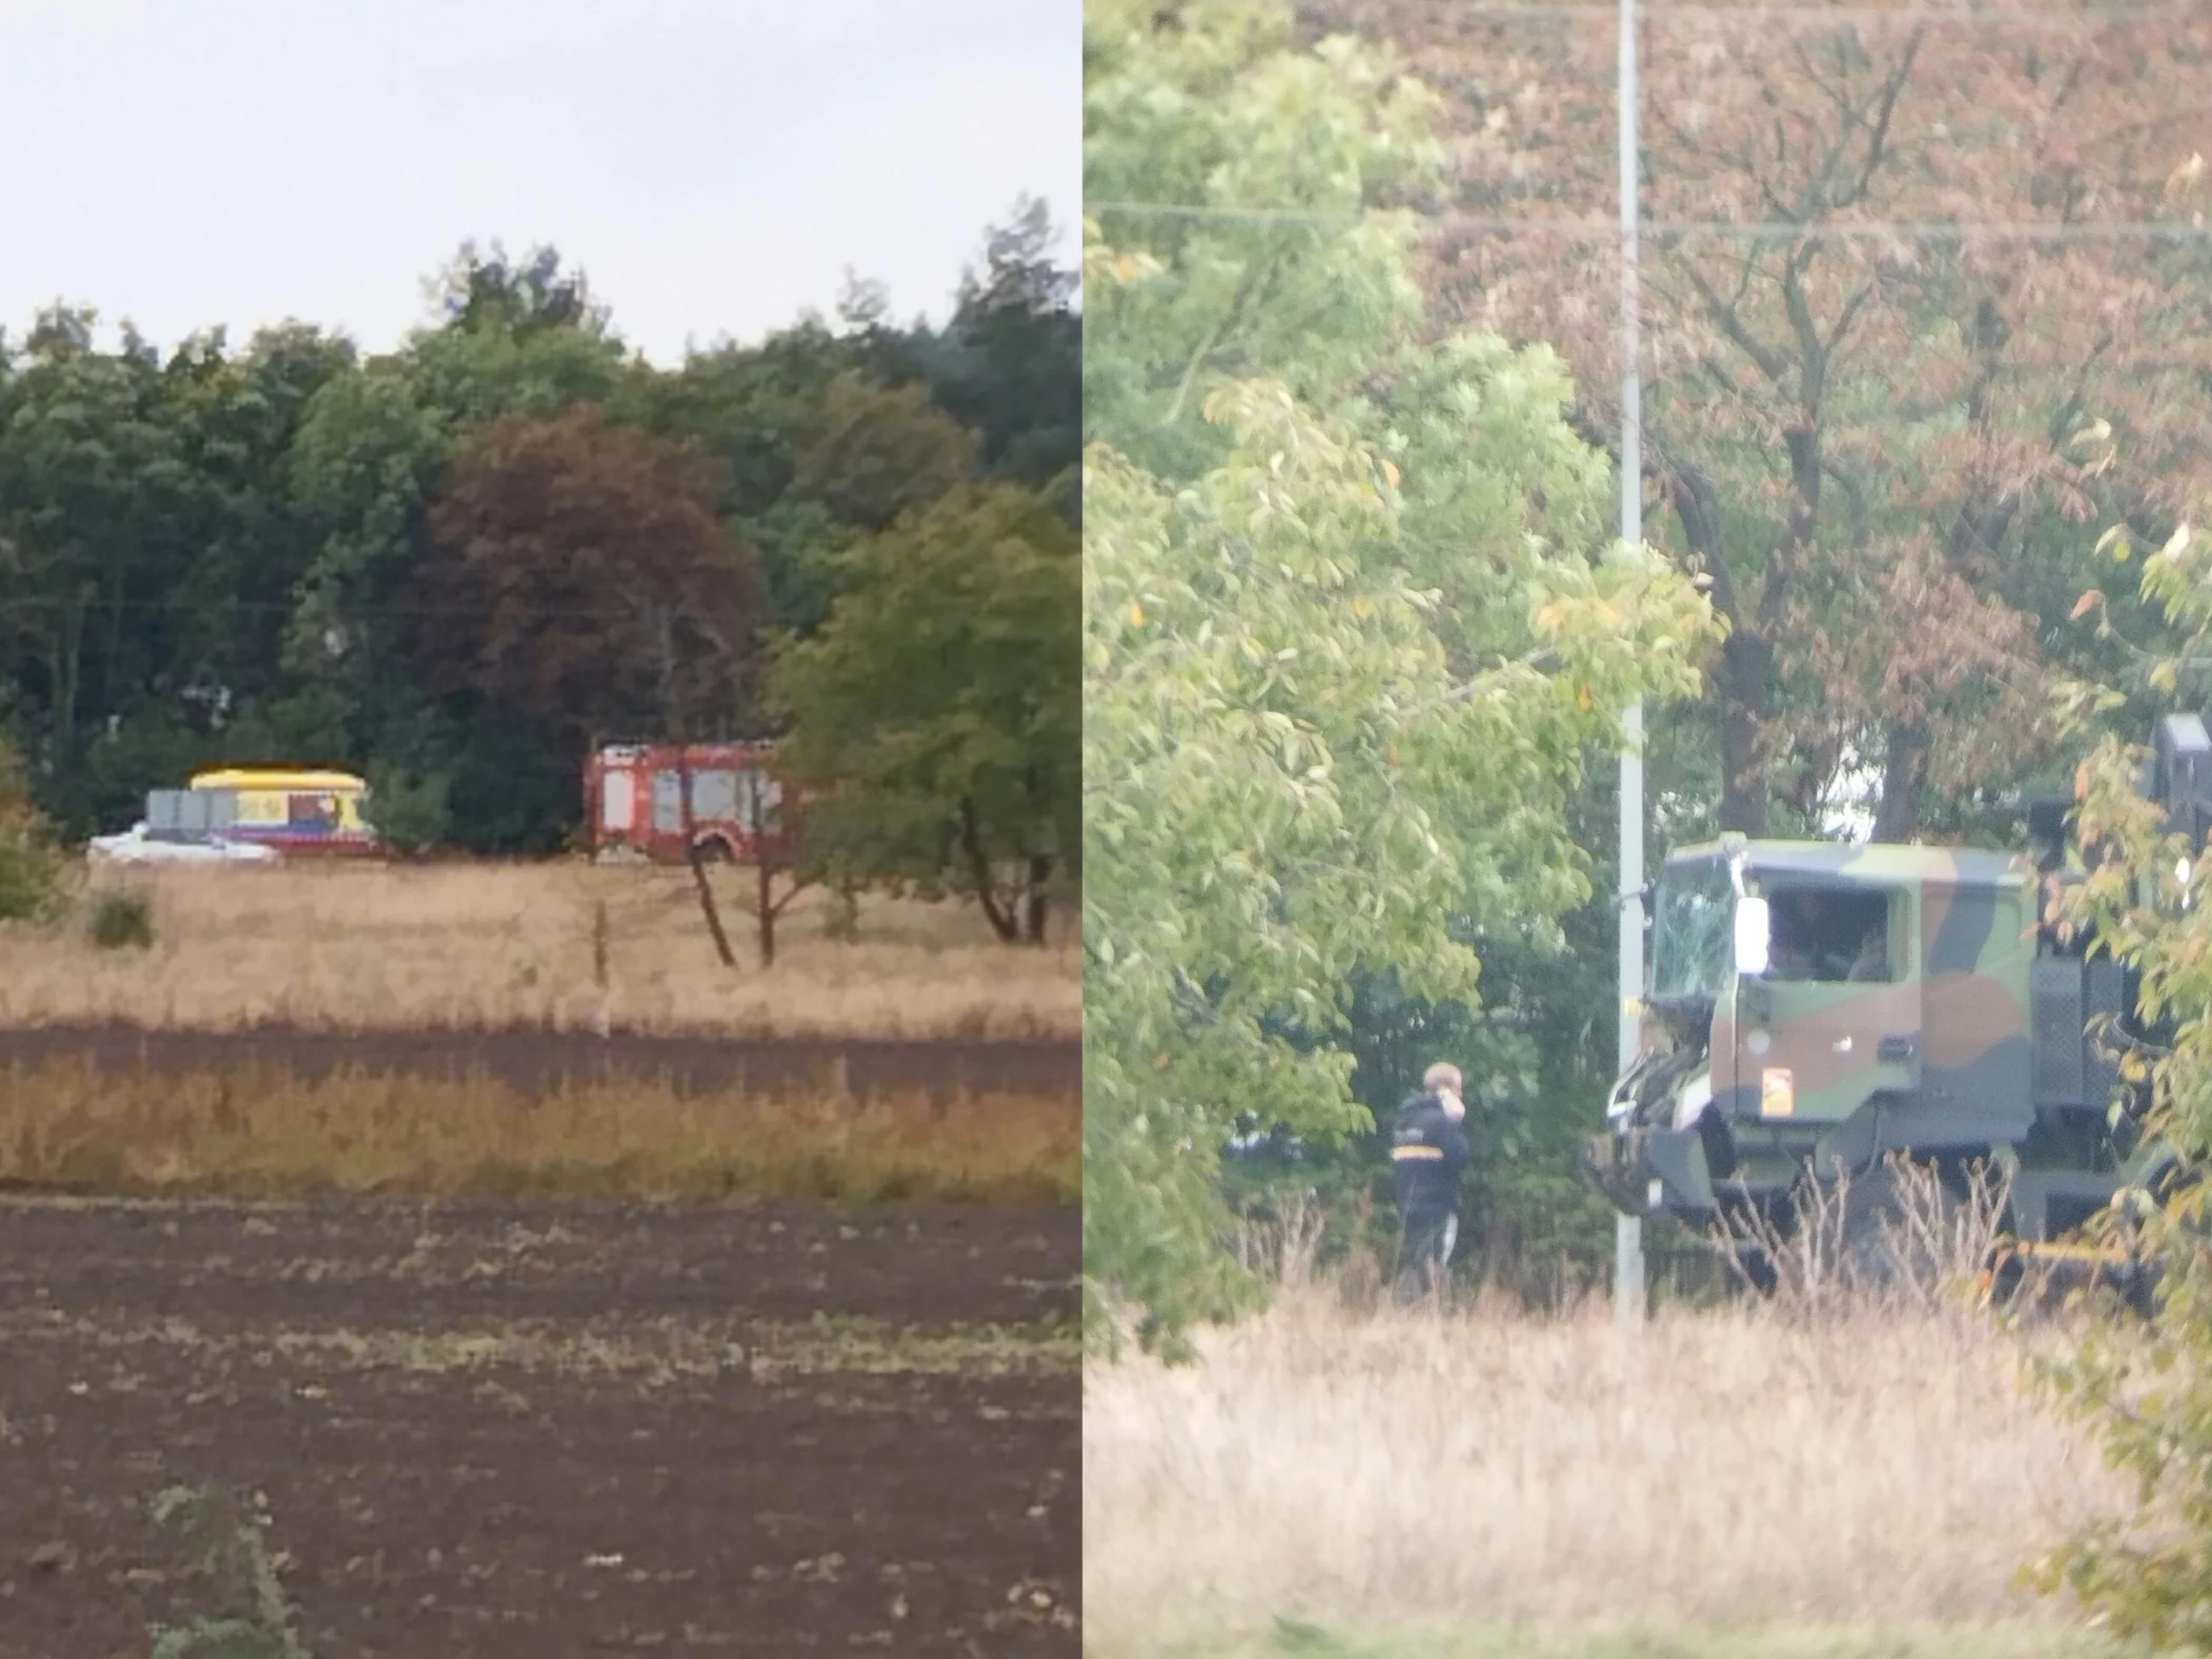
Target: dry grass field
383,947
1491,1483
63,1126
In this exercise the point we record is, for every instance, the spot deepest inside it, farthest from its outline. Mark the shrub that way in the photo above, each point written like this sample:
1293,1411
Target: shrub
30,863
122,920
412,812
228,1539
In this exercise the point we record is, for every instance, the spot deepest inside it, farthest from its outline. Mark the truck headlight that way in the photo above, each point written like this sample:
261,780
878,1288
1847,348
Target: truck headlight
1696,1095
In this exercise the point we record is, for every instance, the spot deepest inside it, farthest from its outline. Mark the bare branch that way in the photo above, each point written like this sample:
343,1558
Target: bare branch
1771,363
1878,140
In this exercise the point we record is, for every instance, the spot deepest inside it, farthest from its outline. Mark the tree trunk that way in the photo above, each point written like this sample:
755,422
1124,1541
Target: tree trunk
766,865
1747,660
66,663
1039,902
1746,657
1003,921
1903,768
700,881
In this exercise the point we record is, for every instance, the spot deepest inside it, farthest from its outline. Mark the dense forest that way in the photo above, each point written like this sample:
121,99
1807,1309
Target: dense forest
457,566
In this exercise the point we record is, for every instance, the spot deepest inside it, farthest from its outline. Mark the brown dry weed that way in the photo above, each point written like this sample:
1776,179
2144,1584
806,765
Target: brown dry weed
1731,1469
63,1126
374,947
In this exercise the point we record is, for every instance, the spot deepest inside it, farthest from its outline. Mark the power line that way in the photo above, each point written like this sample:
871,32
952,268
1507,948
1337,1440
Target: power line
2017,230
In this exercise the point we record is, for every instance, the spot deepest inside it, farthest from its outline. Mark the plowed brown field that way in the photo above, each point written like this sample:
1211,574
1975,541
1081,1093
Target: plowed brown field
548,1428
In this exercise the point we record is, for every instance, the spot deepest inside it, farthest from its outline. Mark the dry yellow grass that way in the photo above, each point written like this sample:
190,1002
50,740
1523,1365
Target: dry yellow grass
374,947
1531,1484
260,1134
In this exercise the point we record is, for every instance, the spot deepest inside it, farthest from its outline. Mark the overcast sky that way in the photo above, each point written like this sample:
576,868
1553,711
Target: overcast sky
712,164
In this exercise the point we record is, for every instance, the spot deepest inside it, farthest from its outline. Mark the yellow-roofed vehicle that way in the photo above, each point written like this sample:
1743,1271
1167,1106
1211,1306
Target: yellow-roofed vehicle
298,813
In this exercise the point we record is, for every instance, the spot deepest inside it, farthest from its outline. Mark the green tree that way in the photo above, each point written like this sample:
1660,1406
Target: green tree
1010,366
1537,1050
1352,620
1210,103
372,454
2148,1391
936,714
1286,786
485,292
30,865
96,499
750,407
870,452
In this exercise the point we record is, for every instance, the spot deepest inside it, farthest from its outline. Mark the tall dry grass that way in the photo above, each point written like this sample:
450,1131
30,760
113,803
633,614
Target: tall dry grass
262,1133
1716,1469
377,947
1816,1460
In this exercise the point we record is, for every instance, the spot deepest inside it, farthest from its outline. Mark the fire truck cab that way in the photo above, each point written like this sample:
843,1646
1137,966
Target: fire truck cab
635,798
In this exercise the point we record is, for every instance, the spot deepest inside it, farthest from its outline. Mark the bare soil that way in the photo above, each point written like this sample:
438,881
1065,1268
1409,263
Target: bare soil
538,1429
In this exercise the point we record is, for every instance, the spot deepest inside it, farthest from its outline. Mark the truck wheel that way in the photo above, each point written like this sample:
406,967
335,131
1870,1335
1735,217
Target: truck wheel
2005,1273
1885,1238
2139,1292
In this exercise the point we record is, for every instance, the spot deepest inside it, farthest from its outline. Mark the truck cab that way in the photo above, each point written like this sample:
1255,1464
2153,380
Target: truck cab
1815,1006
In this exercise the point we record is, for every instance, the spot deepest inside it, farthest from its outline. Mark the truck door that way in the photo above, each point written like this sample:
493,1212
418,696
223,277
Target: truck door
1835,1018
1977,956
617,800
668,802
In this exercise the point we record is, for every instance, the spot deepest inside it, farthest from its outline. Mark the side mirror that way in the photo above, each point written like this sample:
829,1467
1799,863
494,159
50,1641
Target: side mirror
1753,925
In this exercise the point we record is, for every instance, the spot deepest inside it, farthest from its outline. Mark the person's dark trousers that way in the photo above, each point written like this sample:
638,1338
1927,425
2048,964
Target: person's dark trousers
1421,1256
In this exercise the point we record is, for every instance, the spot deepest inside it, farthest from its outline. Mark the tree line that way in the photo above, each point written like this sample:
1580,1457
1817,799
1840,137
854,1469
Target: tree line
459,566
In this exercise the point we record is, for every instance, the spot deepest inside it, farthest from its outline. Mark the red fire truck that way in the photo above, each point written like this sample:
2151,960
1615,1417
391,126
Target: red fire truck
634,797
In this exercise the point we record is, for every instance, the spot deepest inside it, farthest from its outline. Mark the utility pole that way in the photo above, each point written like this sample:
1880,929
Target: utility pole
1628,1283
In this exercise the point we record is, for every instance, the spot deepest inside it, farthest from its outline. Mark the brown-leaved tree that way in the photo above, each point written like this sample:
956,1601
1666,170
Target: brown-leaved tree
580,576
1924,296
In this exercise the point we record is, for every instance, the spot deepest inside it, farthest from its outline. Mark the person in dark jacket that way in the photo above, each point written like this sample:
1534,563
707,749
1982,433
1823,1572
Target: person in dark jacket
1428,1150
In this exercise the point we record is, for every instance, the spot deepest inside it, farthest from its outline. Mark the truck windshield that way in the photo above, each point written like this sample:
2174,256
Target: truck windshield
1691,935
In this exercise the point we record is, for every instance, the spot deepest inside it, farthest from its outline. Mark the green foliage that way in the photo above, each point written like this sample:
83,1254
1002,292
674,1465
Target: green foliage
228,1541
122,920
1351,626
1286,787
412,811
1012,368
2148,1391
872,453
1213,105
937,708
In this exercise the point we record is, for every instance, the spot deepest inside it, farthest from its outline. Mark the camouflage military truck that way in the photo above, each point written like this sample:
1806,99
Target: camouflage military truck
1813,1008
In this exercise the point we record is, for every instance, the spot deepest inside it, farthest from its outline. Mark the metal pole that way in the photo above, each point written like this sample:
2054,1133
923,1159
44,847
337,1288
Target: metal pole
1628,1281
